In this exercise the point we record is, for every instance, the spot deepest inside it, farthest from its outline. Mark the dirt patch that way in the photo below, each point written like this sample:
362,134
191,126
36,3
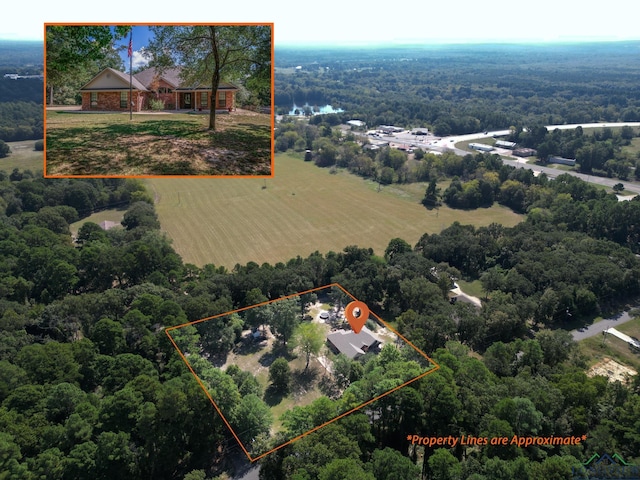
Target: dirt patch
614,371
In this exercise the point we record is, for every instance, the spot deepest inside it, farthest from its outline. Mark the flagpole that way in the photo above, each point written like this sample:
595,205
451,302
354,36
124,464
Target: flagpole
130,51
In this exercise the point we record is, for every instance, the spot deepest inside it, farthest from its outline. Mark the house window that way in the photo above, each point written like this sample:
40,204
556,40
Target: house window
204,102
123,99
164,90
222,99
94,99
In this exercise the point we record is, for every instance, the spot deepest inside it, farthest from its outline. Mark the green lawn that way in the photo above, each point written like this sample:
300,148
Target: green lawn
465,145
157,144
98,217
301,209
634,148
23,156
472,288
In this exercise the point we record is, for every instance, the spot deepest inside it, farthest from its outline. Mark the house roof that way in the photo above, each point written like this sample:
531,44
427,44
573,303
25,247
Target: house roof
172,77
350,343
111,79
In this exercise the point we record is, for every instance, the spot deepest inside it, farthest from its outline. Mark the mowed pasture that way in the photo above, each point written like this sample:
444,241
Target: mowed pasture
23,156
109,144
301,209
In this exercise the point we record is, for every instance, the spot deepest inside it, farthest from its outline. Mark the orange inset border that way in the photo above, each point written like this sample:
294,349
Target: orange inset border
430,369
47,89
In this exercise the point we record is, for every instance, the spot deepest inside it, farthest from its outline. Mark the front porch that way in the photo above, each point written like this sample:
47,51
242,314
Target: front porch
200,100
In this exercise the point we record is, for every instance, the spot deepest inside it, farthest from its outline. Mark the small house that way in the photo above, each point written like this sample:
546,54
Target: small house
351,344
111,90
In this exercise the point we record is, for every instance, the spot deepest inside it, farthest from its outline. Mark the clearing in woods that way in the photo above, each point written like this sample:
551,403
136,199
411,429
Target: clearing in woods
301,209
23,156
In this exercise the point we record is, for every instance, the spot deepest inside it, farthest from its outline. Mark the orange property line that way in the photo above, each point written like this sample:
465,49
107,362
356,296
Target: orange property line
253,459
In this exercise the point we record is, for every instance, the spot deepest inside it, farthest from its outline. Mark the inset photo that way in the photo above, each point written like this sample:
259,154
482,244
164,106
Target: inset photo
169,100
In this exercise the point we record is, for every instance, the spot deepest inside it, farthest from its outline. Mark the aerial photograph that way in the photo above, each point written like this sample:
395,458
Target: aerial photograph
435,276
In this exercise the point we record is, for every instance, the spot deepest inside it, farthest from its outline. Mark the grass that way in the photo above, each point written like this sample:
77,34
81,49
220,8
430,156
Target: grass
472,288
157,144
98,217
614,347
634,148
300,210
465,145
23,156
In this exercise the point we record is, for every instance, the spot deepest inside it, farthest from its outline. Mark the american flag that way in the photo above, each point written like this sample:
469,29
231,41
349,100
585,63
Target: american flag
130,49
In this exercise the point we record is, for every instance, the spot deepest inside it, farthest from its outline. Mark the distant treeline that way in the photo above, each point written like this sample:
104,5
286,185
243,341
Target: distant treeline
466,89
21,109
21,120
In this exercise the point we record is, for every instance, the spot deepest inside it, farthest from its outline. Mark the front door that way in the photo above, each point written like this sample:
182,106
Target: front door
187,100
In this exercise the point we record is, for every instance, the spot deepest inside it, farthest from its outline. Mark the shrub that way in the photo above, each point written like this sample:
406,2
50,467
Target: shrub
39,146
156,104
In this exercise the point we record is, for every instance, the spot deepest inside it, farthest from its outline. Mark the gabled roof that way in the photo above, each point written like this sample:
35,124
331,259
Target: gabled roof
350,343
172,77
111,79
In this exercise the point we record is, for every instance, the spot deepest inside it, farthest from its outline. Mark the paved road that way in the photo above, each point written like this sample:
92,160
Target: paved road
554,172
442,144
598,328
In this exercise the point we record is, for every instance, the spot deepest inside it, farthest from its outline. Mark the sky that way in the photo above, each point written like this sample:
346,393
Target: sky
347,23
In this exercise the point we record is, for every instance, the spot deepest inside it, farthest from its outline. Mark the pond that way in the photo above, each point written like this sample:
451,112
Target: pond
313,110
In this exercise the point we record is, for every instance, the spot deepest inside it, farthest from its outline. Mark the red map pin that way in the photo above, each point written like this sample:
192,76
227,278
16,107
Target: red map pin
356,322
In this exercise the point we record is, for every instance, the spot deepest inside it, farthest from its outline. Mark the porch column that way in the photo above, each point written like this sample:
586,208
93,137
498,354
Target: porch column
176,104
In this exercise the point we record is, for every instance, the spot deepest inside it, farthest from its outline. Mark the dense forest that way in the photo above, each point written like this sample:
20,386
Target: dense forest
456,89
90,386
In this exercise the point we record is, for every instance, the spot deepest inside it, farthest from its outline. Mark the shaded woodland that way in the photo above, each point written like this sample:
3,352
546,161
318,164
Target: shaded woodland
90,384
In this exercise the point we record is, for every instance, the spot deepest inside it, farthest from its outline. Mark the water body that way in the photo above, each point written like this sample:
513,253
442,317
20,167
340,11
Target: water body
315,109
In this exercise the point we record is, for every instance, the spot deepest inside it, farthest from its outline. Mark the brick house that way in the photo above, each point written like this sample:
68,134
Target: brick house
109,90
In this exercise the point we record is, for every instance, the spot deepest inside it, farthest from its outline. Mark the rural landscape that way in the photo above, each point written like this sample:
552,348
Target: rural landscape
142,318
300,355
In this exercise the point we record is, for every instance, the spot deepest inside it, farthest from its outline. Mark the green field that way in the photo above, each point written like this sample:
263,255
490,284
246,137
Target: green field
302,209
98,217
23,156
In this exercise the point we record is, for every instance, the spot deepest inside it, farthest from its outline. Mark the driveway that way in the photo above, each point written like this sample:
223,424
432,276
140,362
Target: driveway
602,325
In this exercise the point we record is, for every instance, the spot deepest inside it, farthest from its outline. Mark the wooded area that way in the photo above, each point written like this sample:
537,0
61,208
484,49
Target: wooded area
21,111
91,385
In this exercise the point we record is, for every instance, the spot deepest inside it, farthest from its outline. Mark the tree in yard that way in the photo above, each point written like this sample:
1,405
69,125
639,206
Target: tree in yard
210,54
251,417
285,318
618,187
280,375
309,338
79,51
432,195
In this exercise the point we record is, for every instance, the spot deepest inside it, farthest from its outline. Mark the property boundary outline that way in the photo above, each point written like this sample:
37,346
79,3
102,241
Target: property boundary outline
297,437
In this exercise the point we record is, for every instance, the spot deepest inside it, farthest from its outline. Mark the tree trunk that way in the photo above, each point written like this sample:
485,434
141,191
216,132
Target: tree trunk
215,78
